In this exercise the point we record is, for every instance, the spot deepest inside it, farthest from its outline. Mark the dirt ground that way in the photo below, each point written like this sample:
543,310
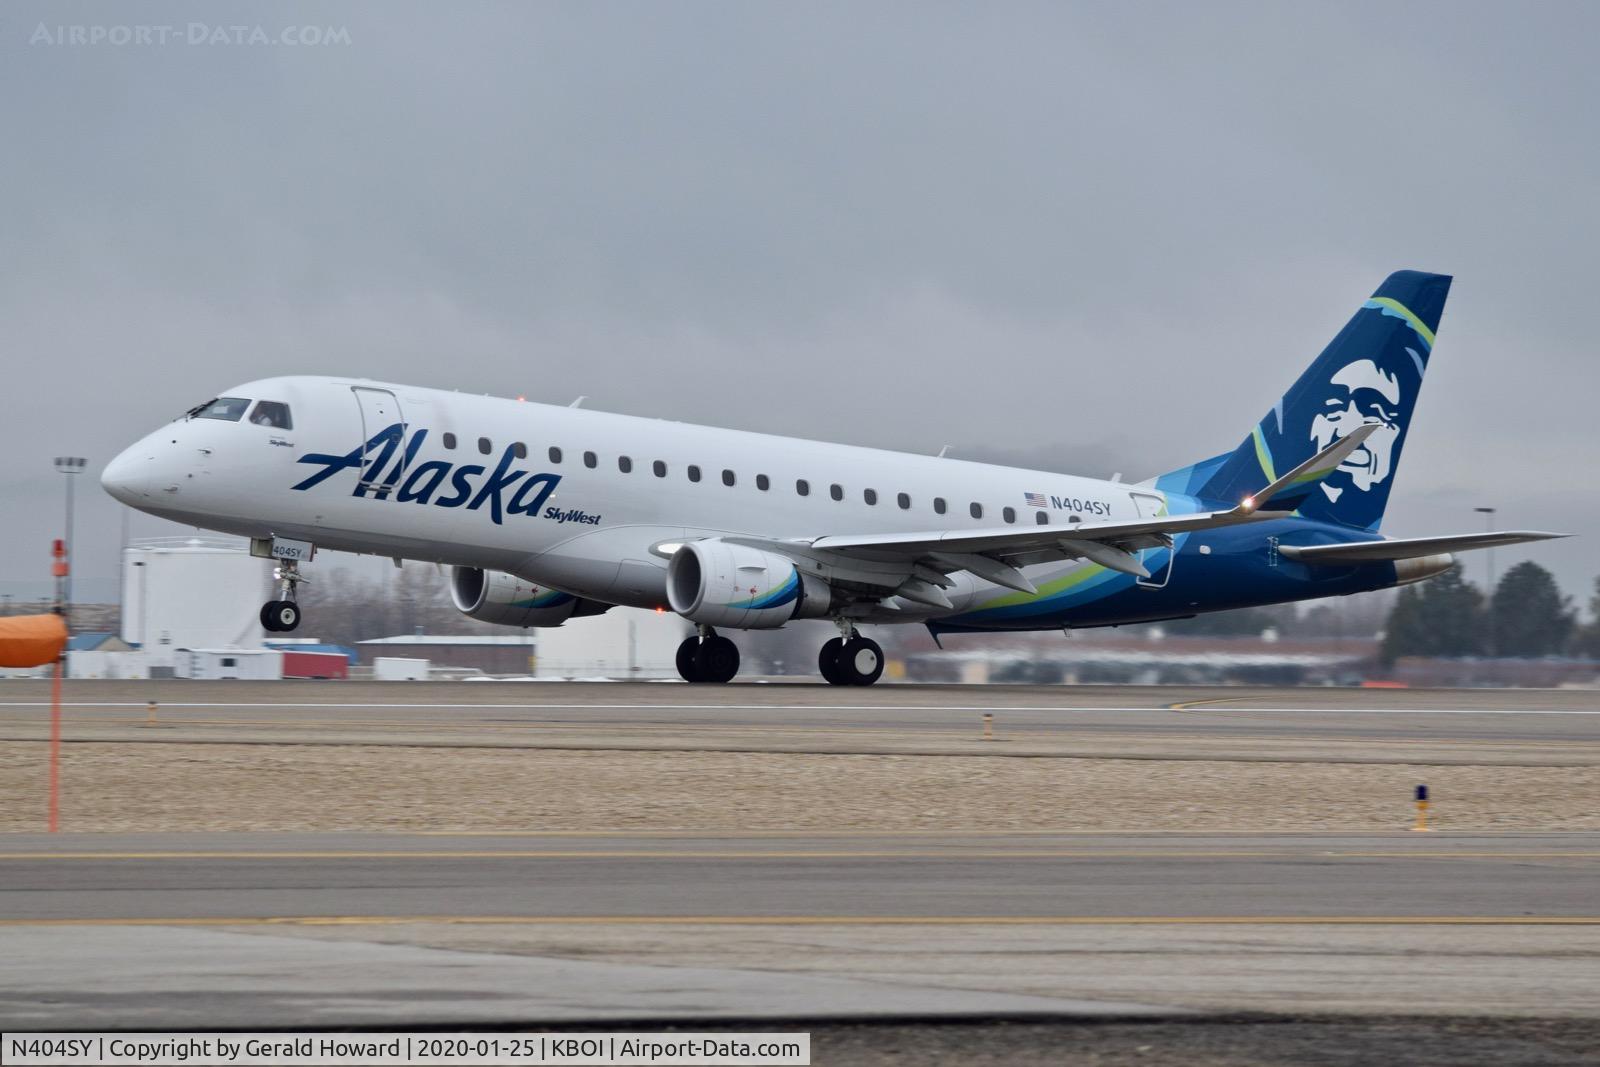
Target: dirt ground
180,786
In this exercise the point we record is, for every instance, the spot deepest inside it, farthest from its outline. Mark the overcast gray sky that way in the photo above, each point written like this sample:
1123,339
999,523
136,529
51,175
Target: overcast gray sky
1090,237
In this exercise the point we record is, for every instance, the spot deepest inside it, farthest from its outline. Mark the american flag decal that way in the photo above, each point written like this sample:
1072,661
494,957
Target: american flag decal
1035,500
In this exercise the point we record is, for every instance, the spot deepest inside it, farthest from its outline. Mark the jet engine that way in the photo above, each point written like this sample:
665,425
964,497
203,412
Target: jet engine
493,596
719,584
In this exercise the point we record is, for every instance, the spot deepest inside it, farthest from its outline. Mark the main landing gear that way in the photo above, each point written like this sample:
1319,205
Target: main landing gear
707,657
283,614
850,659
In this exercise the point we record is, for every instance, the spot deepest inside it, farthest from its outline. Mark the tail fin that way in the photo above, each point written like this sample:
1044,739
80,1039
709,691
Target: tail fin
1370,373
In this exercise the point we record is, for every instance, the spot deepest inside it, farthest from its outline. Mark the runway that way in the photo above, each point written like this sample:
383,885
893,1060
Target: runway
251,930
659,852
935,878
1505,727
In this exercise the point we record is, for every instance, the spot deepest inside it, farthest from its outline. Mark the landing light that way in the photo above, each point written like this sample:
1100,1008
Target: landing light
1248,503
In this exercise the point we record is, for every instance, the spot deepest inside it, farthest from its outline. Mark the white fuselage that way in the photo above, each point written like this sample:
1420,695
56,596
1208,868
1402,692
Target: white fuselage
597,530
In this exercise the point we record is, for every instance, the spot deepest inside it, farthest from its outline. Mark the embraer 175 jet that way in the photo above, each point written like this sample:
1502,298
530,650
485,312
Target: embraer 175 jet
550,513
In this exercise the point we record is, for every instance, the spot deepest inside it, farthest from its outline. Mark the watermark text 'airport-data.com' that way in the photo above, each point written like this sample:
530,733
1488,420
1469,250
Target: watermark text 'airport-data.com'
185,35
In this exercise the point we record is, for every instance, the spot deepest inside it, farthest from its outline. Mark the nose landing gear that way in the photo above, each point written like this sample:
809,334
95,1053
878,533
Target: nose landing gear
283,615
706,657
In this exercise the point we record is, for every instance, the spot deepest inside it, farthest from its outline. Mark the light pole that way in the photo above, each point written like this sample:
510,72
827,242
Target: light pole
1488,521
70,465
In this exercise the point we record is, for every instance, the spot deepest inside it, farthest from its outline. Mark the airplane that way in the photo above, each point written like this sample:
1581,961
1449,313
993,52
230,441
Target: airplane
547,513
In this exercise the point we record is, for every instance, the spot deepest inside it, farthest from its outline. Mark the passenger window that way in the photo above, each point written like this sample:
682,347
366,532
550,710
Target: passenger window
836,491
484,446
555,454
762,483
904,500
1041,518
938,505
1009,514
694,473
624,464
802,487
225,408
519,450
869,495
450,441
591,460
660,468
727,477
271,413
1074,518
976,509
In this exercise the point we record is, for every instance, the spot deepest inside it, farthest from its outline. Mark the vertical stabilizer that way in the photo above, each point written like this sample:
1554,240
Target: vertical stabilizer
1369,374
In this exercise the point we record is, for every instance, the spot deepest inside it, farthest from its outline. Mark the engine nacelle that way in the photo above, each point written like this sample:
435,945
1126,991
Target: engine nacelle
493,596
719,584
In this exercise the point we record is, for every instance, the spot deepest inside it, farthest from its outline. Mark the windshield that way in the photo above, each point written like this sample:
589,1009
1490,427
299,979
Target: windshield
272,413
226,408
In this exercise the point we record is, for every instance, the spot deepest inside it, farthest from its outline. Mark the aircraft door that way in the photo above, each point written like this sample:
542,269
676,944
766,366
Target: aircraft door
1158,561
383,428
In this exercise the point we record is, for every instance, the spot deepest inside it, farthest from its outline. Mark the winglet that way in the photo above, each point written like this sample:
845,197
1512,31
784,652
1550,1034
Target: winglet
1298,482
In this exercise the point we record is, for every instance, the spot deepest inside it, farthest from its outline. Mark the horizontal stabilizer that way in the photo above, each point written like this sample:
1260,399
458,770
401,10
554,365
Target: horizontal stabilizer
1408,547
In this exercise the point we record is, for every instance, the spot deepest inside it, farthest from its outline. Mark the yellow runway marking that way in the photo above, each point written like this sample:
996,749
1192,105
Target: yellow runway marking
764,854
838,920
1185,705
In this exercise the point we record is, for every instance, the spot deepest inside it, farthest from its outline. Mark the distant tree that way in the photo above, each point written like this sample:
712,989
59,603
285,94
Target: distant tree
1440,617
344,607
1531,617
1587,640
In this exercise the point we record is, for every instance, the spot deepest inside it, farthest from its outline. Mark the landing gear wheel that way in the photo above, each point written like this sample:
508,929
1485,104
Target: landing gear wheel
280,616
688,664
860,661
828,661
717,660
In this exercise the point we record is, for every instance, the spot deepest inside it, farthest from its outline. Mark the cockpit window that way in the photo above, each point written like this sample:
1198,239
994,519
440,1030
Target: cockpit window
272,413
226,408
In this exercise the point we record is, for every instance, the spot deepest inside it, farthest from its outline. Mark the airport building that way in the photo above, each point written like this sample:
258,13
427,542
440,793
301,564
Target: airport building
508,654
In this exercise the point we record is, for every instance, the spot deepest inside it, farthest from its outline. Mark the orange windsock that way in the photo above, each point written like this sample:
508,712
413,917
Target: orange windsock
31,640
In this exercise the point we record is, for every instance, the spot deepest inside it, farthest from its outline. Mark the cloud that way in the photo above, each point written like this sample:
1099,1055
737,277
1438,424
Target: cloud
1105,236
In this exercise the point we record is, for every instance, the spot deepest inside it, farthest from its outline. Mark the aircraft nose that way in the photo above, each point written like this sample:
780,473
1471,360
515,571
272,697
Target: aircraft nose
127,477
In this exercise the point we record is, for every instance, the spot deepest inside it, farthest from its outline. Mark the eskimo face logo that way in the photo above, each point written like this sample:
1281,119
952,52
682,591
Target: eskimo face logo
1359,393
387,468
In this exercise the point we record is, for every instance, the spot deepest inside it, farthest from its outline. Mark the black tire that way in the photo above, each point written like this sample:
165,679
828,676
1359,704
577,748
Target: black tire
828,661
860,661
688,662
717,660
269,616
286,614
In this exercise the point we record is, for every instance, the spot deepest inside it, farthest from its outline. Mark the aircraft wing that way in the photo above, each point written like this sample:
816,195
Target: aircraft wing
1409,547
916,564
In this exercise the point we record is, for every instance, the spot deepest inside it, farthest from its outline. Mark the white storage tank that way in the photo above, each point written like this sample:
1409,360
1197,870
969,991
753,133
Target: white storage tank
627,643
192,592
